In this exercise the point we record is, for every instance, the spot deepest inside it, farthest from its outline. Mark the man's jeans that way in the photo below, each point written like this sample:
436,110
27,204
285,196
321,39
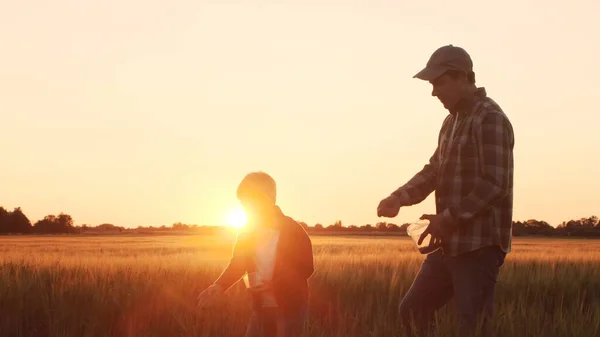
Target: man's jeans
470,278
269,322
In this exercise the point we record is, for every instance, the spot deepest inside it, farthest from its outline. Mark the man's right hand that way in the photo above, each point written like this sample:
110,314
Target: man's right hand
389,207
208,297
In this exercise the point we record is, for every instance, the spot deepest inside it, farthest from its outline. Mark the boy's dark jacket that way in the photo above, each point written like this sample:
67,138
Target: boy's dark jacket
293,264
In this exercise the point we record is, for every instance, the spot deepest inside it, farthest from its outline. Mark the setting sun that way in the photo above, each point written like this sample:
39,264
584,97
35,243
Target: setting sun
236,218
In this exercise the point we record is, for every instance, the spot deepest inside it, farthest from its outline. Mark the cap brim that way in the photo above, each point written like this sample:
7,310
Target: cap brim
429,74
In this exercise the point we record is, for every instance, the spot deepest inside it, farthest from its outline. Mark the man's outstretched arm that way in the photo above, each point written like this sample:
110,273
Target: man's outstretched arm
421,184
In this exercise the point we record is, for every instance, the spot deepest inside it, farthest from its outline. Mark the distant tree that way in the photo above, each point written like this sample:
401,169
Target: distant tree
63,223
180,226
107,227
518,228
590,222
381,226
336,225
392,227
47,225
4,220
303,224
18,222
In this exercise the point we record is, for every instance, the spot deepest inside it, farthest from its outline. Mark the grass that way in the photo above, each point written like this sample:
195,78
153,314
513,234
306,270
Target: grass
147,285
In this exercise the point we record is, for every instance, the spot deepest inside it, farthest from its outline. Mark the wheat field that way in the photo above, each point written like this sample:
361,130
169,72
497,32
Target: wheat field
75,286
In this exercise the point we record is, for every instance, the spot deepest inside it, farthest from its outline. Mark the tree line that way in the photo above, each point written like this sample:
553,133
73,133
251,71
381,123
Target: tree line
16,222
584,227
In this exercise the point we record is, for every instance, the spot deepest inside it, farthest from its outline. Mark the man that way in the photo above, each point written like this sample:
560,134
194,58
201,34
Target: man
276,252
471,172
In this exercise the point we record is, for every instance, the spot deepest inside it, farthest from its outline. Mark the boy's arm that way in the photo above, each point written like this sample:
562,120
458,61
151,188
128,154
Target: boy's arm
305,263
299,253
236,266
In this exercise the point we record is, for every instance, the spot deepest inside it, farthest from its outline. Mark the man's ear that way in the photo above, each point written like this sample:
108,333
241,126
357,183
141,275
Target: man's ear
464,77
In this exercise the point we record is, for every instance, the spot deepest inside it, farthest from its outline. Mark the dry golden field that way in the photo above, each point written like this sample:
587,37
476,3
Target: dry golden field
75,286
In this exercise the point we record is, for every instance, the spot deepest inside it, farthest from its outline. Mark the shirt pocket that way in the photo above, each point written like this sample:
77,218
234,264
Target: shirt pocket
468,158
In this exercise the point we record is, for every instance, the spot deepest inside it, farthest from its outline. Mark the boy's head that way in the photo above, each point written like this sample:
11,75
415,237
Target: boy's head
257,193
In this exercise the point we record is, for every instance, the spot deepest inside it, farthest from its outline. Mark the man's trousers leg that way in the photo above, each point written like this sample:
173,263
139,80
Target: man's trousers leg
474,277
431,289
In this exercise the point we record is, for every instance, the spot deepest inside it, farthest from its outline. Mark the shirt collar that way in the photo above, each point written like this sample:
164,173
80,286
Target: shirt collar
466,104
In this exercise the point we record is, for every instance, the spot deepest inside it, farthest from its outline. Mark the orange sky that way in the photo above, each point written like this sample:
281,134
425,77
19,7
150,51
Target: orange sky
148,113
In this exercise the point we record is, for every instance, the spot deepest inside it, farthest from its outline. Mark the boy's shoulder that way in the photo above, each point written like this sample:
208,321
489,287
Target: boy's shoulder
290,223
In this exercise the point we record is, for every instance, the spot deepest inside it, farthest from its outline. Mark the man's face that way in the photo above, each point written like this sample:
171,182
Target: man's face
449,90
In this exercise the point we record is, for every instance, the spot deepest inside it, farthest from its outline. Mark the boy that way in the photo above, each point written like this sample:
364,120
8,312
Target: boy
276,252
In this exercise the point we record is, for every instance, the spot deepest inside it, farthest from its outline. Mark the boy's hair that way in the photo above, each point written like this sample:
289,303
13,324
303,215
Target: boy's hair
256,183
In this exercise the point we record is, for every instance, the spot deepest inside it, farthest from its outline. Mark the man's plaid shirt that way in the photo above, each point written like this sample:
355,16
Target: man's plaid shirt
472,177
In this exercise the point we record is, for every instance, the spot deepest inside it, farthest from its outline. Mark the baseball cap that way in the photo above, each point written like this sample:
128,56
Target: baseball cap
445,58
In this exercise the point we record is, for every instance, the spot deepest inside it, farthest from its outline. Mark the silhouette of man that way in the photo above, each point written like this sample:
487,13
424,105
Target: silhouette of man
471,172
276,253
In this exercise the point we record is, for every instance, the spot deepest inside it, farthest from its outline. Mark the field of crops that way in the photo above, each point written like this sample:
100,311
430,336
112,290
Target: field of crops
147,286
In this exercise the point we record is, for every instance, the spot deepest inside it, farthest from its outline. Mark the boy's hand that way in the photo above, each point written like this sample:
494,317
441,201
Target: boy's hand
209,296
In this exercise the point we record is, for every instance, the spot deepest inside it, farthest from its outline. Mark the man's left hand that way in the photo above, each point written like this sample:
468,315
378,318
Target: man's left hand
434,228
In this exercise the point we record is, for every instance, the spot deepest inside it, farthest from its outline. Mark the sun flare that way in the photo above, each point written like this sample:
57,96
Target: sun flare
236,218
